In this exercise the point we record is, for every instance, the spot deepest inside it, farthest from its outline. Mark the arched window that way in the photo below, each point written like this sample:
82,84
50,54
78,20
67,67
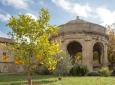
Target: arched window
75,51
97,54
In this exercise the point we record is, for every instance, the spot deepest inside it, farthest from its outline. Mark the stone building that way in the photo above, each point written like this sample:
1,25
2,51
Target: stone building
8,66
89,39
81,40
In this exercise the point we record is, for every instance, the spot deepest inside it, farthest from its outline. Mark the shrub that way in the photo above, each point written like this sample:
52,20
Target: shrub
42,70
78,70
113,73
64,65
93,73
104,71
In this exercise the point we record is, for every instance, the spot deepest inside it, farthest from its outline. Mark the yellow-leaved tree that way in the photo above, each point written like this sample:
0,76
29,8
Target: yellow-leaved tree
111,44
31,42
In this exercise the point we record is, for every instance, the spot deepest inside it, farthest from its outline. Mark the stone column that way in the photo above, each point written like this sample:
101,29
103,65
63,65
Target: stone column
87,53
105,58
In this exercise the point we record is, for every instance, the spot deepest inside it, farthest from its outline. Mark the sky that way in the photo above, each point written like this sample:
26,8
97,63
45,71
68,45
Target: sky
61,11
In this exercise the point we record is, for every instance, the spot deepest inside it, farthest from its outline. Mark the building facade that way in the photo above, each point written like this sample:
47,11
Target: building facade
79,38
84,42
7,64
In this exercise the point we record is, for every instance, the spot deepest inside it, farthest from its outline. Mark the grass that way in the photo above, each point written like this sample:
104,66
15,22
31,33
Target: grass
20,79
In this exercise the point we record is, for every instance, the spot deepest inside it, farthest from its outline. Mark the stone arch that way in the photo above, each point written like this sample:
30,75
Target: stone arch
74,49
98,53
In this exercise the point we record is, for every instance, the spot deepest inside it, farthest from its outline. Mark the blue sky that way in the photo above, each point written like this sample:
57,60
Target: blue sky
61,11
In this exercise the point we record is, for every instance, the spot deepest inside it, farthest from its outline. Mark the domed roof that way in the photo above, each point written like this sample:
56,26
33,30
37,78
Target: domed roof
79,25
77,20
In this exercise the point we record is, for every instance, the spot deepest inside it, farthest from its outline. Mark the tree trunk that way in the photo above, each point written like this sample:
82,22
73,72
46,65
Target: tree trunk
29,78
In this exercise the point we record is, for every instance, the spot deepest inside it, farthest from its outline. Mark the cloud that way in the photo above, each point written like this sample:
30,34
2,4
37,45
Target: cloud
33,16
21,4
4,17
42,2
2,34
75,8
106,16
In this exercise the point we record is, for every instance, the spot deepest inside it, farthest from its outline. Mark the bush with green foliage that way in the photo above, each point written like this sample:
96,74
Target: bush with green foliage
64,65
113,73
104,71
42,70
93,73
78,70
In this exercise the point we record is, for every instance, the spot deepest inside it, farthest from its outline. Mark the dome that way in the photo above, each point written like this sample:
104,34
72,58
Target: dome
79,25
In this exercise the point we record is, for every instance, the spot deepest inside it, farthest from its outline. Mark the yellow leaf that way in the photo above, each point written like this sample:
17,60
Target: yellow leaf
5,58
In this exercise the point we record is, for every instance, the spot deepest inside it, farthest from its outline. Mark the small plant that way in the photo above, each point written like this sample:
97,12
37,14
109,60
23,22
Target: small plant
104,71
42,70
113,73
93,73
79,70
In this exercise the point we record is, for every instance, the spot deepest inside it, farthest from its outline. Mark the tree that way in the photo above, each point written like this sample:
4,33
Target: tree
111,43
31,41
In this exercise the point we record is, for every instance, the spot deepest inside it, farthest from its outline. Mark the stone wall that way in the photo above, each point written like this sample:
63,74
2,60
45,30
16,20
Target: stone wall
11,68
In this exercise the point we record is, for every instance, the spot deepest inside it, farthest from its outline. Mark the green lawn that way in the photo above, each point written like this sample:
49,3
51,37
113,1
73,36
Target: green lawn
18,79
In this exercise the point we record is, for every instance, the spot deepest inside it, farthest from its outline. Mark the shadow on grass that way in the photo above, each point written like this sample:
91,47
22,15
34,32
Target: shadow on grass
35,82
42,82
22,77
45,82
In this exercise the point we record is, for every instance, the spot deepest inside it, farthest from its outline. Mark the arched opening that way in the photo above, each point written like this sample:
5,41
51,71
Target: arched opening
97,55
75,51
